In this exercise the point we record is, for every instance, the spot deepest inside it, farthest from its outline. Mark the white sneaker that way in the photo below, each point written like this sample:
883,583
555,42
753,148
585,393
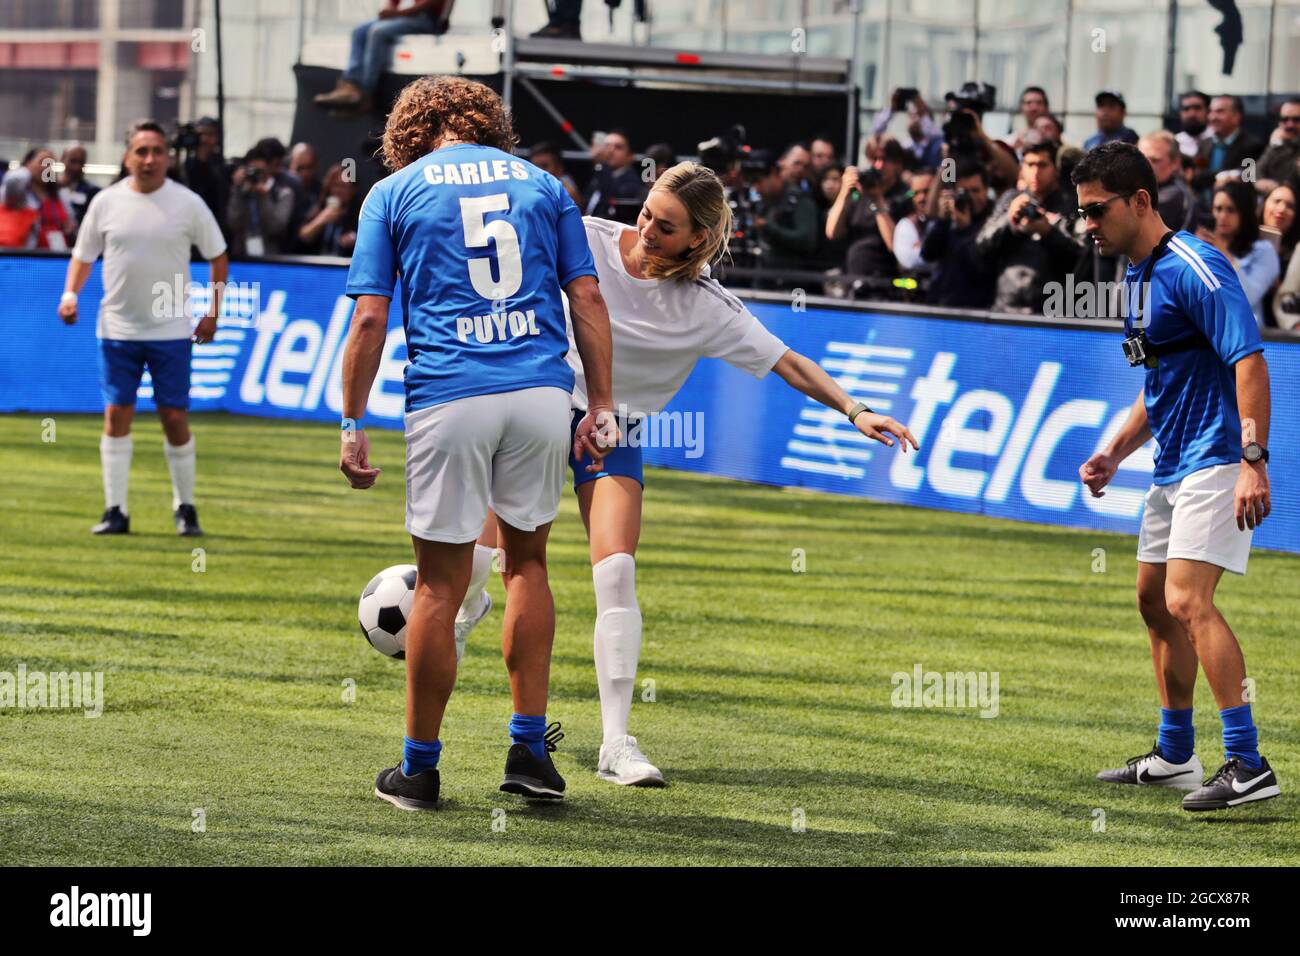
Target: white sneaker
622,762
1153,770
466,624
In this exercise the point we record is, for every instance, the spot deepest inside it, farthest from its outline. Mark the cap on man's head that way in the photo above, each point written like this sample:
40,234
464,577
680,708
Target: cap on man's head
1111,95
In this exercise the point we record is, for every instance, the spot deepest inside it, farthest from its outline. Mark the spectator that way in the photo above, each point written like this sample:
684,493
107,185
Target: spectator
1281,161
1281,226
1193,122
830,252
824,156
546,157
372,47
1111,110
661,159
330,228
958,277
1048,126
925,138
204,171
861,210
787,226
260,209
1229,146
1178,206
55,226
1027,241
75,192
909,214
563,21
17,216
616,190
1033,105
1236,233
304,168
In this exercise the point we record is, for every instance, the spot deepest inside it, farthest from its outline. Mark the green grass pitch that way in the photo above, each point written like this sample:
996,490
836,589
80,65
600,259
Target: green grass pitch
225,709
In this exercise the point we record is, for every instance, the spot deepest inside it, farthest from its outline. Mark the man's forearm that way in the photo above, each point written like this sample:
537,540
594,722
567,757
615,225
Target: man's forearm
363,352
78,272
219,272
1254,402
595,347
1134,433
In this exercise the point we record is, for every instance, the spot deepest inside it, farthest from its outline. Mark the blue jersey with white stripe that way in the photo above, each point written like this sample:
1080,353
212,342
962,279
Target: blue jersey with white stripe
1191,396
483,242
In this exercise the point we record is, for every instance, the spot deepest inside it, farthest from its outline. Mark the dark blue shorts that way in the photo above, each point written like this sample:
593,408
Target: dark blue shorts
122,363
624,460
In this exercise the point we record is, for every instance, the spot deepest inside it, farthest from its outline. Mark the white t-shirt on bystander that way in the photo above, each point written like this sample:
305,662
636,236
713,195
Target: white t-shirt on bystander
145,240
661,328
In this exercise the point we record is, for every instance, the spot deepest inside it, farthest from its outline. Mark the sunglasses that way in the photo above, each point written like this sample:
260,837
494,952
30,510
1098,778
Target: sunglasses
1290,119
1095,210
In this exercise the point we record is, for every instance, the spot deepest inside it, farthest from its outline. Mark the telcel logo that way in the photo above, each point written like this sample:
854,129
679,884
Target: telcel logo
1022,441
295,363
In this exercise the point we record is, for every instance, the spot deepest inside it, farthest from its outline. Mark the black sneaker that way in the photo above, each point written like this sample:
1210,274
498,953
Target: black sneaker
1153,770
187,522
531,776
113,522
408,793
1232,785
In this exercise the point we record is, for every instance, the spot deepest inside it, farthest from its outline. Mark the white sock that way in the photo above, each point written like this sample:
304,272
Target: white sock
115,457
617,640
180,461
473,602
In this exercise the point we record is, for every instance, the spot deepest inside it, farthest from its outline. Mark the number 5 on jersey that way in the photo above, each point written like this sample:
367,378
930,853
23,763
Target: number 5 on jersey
473,209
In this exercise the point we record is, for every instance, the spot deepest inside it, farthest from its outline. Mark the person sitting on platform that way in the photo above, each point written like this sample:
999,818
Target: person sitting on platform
372,47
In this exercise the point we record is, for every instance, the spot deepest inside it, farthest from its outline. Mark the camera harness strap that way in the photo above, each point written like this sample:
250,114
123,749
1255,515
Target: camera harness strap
1153,351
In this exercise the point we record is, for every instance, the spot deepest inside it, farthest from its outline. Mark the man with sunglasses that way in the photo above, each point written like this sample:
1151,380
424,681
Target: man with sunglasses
1205,400
1281,161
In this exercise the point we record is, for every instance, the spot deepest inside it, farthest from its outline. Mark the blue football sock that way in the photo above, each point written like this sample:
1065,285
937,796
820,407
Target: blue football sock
420,755
530,731
1176,736
1240,738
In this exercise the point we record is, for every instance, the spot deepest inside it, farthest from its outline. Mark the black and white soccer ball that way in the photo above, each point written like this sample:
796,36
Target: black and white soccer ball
385,604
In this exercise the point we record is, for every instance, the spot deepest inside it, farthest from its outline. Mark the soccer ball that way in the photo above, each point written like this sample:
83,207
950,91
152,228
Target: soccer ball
385,603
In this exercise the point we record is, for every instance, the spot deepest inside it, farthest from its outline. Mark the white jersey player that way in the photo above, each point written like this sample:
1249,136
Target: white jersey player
666,313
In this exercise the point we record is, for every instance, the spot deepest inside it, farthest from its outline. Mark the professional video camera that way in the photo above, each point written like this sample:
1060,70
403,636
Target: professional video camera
186,137
959,131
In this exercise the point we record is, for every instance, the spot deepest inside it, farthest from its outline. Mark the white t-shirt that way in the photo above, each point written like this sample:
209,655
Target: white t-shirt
145,240
661,328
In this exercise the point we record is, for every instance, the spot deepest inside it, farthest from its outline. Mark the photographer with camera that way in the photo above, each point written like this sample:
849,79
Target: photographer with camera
259,210
203,168
926,145
1027,241
958,277
787,225
861,212
964,136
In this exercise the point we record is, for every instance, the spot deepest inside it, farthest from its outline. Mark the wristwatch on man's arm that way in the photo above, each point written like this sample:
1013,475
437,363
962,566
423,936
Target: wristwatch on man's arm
1253,452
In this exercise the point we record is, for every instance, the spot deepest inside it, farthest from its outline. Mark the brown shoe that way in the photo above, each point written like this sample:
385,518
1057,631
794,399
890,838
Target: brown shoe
345,94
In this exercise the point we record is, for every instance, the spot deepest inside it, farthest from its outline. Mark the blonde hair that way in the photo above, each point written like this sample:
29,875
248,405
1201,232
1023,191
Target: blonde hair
434,107
698,189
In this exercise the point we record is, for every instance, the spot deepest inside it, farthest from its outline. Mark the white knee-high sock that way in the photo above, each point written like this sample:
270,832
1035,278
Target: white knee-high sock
617,640
477,580
180,461
115,458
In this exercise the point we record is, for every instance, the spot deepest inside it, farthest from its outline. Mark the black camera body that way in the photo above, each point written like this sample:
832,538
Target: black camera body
961,200
186,137
869,177
1032,210
959,131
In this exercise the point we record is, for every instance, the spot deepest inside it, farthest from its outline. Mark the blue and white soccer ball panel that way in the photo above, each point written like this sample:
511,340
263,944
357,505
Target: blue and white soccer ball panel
382,611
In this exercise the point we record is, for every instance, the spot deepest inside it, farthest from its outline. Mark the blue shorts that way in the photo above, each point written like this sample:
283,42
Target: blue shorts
122,362
624,460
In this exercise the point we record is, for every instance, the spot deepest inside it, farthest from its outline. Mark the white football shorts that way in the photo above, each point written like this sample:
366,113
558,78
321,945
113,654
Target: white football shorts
1195,518
505,450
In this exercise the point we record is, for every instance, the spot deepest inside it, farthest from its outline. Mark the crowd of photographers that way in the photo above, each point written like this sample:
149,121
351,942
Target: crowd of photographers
938,212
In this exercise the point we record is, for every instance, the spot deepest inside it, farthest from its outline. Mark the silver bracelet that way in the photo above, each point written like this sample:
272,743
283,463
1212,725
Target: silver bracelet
857,410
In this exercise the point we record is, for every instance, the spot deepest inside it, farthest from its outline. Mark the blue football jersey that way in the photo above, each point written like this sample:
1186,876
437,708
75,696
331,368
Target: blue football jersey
1191,396
483,242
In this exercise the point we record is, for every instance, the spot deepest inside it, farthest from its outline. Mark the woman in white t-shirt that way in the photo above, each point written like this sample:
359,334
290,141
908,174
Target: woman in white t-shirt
665,312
